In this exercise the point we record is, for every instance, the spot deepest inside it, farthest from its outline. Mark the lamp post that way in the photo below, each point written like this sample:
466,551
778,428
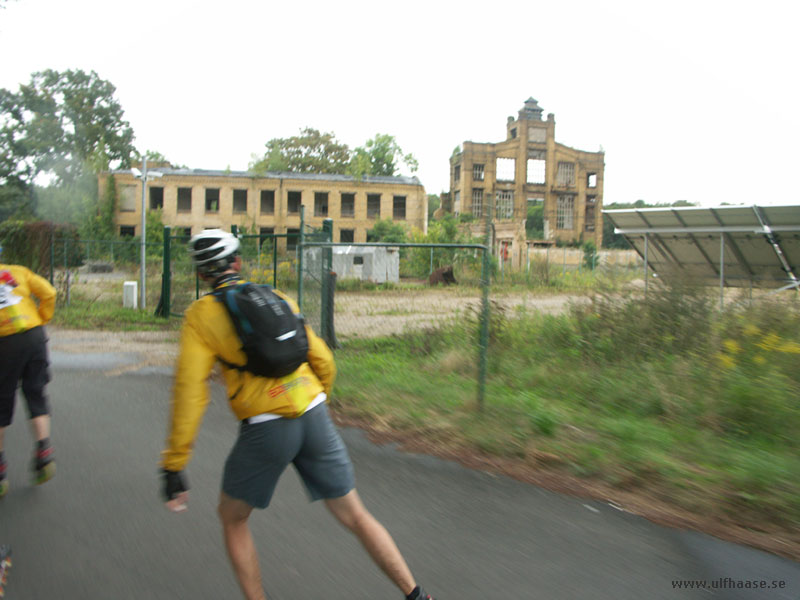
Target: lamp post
145,177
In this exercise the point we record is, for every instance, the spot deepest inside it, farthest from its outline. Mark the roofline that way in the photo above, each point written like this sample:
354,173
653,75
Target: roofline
384,179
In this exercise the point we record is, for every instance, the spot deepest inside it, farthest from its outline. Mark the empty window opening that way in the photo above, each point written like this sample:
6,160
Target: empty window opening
127,198
477,203
456,172
591,180
506,168
591,199
566,173
564,211
266,231
457,203
184,200
358,260
348,208
537,171
212,200
320,204
292,237
240,201
399,207
589,218
477,172
537,135
374,206
347,236
267,202
513,133
293,202
156,198
505,204
127,230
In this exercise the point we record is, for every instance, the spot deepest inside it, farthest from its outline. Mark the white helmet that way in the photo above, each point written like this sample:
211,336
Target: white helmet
213,250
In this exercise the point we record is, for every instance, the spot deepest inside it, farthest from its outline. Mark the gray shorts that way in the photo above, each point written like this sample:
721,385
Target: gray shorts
310,442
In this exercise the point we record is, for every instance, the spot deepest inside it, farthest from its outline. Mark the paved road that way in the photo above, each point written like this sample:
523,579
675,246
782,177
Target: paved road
99,530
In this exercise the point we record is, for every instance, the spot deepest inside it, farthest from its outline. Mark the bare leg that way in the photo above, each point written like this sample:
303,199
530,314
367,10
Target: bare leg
351,513
241,548
41,427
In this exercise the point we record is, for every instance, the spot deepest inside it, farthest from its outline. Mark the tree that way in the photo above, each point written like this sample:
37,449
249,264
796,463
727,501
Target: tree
380,156
61,124
534,223
309,152
434,202
386,230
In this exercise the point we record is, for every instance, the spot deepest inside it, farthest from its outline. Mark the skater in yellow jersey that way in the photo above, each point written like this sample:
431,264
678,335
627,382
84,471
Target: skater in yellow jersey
23,357
283,419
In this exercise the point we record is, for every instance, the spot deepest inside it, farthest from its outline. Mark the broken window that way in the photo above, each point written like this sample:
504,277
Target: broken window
477,172
348,208
320,204
399,207
589,218
505,204
293,202
212,199
591,180
184,200
127,198
506,168
513,133
566,173
127,230
240,201
591,199
292,237
537,171
373,206
477,203
347,236
156,198
537,135
267,202
456,172
565,206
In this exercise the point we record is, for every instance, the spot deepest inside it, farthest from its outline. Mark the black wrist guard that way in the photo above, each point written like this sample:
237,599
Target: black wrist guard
174,484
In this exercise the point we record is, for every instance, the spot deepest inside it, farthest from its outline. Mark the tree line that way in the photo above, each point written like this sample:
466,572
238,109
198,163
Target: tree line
62,128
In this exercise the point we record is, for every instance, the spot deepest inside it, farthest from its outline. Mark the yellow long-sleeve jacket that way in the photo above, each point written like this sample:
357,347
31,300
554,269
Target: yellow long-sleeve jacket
207,335
18,310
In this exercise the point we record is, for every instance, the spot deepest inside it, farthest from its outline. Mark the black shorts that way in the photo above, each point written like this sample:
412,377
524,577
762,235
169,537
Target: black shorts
310,442
23,357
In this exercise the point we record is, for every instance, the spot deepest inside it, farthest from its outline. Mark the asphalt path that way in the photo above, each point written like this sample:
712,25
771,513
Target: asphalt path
99,530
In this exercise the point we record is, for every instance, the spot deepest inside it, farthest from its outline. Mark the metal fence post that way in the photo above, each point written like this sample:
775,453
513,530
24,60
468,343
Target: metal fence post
163,308
326,304
300,242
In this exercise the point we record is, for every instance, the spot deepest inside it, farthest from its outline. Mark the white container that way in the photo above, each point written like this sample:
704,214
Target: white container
130,296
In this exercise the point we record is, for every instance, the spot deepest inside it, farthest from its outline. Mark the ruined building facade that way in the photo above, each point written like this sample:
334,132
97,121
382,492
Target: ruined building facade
191,200
529,167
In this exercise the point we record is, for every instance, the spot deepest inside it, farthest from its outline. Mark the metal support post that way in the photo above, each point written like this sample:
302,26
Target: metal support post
646,240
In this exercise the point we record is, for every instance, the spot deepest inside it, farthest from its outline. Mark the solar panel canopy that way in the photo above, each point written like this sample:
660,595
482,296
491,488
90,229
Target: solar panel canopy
736,245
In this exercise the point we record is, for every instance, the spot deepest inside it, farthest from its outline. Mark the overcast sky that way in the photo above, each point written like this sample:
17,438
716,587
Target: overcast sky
690,99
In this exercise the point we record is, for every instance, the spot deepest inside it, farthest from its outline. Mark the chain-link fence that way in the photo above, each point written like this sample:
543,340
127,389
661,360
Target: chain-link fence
354,291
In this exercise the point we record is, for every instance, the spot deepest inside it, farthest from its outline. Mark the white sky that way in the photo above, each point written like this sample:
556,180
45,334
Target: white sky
690,99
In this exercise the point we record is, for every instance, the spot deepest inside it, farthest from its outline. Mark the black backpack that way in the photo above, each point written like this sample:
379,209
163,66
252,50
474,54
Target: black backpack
273,337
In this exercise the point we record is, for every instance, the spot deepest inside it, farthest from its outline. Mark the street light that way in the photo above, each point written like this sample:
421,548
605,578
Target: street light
145,177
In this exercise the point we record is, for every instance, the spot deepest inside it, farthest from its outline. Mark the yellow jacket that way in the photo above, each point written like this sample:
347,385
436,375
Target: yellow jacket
208,335
18,310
